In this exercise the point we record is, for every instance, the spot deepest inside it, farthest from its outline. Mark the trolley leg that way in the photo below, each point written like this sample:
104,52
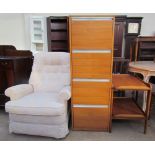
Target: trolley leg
145,126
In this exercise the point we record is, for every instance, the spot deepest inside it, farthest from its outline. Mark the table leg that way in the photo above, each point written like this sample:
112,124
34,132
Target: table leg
146,79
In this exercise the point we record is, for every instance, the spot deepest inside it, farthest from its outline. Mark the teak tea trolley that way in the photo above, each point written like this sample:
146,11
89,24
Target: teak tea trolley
128,108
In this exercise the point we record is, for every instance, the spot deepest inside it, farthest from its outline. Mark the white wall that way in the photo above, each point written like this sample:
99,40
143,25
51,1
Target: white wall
15,28
12,30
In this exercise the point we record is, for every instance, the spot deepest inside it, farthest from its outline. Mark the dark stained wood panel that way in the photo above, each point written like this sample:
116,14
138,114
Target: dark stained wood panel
15,68
58,34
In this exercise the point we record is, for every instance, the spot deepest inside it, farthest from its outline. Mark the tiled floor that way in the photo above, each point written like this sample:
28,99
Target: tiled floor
121,130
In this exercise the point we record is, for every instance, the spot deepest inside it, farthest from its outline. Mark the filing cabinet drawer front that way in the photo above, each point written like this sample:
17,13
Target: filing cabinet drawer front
91,92
91,65
91,118
88,59
91,72
92,34
91,100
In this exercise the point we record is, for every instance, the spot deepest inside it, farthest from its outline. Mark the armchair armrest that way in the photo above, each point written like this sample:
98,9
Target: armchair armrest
65,93
18,91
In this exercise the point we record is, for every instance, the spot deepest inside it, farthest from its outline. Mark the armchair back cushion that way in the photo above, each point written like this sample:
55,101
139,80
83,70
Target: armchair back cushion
50,72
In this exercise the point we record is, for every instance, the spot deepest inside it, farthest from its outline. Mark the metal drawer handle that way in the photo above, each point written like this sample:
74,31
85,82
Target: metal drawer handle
92,51
90,80
89,106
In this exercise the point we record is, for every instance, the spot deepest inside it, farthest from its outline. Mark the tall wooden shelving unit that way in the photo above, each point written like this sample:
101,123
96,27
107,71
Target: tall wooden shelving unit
91,47
57,28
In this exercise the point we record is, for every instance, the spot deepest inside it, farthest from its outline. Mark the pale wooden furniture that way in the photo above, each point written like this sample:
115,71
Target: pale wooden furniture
127,108
91,47
146,69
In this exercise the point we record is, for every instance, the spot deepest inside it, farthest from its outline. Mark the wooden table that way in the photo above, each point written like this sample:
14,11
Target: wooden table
145,68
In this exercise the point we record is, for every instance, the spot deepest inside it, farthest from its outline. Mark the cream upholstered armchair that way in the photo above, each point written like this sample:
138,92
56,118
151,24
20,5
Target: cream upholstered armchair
40,107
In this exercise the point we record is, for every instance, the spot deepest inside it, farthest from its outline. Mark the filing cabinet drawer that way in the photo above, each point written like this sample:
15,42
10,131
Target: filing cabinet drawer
88,59
91,72
87,34
91,100
91,65
91,92
88,118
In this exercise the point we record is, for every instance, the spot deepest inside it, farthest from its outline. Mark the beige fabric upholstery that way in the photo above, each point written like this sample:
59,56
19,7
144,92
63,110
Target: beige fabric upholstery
36,119
44,97
18,91
42,103
65,93
53,67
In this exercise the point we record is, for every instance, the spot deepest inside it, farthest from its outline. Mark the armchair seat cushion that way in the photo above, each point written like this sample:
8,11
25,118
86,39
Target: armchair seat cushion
39,103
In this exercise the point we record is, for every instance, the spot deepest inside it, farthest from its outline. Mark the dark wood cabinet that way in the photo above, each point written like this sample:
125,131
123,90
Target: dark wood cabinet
146,48
15,68
57,34
119,34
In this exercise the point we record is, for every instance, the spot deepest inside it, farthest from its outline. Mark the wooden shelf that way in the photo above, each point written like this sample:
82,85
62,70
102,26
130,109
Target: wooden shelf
59,26
58,41
126,108
128,82
57,35
57,49
148,48
58,30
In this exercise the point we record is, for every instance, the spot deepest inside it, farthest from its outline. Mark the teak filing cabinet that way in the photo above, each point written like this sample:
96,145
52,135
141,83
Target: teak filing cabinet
91,47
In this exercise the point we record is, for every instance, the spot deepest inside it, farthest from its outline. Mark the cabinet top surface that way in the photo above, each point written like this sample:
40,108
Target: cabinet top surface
92,17
14,57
